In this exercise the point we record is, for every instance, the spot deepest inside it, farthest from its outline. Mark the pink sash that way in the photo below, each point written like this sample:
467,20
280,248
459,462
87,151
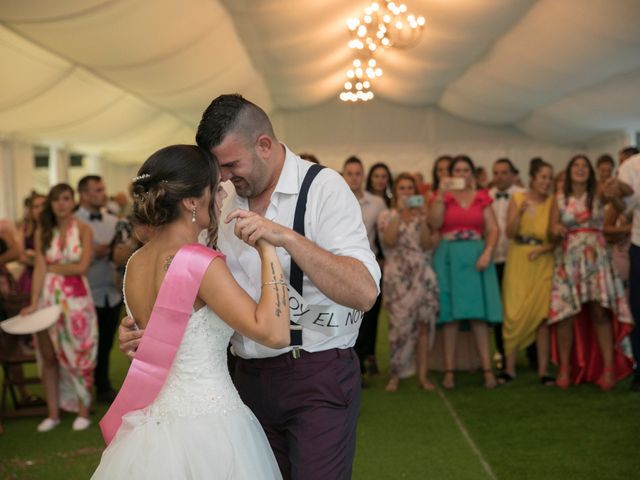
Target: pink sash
162,336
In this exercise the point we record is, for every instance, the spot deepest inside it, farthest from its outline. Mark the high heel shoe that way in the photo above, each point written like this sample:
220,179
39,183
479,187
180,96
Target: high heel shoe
563,380
607,380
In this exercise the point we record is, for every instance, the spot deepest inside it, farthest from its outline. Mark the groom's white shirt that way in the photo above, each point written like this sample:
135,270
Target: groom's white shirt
333,221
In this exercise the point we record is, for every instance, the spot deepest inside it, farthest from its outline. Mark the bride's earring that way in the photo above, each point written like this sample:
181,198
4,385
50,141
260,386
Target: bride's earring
193,214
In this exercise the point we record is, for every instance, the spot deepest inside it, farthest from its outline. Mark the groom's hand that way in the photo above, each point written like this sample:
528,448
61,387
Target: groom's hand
129,337
251,227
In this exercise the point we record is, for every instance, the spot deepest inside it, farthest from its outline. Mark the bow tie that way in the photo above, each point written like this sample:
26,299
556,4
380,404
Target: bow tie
500,195
95,216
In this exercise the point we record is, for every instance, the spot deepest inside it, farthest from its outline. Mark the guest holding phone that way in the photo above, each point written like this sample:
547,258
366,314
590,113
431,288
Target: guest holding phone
409,284
463,264
440,170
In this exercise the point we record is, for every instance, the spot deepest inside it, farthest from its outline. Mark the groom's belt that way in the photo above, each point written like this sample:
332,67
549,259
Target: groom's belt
287,359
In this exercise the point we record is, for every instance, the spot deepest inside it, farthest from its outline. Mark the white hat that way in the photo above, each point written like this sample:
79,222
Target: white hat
32,323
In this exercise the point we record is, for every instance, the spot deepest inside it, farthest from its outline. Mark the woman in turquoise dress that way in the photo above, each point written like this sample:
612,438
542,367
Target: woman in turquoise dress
463,264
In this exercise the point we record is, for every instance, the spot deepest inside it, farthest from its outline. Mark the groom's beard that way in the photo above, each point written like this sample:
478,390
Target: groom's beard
256,182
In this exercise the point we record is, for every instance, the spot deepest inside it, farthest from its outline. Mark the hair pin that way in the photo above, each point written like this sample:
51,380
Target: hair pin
140,177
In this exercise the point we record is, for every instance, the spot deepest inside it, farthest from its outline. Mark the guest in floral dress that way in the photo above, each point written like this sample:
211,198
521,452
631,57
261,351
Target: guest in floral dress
67,349
588,303
409,284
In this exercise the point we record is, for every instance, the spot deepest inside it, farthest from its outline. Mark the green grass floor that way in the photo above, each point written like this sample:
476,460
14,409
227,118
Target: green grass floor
520,431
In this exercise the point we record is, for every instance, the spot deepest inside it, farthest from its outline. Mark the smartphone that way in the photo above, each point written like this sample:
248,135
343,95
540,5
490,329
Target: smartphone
455,183
414,201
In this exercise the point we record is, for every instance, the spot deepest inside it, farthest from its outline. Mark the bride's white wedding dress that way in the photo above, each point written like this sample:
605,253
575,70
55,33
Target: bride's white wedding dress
197,428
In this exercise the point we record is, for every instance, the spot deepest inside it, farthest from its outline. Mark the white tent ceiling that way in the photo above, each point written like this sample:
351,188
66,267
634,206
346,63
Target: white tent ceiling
123,77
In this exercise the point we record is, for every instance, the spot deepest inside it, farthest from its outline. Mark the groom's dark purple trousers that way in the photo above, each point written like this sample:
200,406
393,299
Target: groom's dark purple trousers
308,408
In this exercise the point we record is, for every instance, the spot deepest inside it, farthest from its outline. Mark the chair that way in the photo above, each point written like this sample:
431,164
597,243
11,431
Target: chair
11,357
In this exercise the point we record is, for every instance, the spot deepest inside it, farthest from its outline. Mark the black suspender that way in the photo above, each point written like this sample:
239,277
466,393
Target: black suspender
295,273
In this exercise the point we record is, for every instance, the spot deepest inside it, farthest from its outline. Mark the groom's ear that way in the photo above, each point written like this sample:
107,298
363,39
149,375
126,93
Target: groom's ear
264,144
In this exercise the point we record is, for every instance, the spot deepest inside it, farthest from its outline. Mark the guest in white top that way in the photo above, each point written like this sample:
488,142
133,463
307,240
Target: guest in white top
102,275
504,177
629,179
371,206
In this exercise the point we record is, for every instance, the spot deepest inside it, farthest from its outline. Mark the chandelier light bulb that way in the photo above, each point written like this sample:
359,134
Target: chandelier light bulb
386,24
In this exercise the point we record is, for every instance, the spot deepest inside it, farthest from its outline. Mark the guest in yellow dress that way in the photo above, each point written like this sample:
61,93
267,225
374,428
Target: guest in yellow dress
529,269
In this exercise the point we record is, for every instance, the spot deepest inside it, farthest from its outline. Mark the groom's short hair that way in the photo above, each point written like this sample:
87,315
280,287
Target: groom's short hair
232,113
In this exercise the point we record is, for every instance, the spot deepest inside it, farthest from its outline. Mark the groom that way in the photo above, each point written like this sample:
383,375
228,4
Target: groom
306,397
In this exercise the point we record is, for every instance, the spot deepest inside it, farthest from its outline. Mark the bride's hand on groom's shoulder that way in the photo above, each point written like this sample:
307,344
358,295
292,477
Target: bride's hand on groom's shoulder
252,228
129,337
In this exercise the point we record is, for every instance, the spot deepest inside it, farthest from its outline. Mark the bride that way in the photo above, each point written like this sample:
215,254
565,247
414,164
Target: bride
178,414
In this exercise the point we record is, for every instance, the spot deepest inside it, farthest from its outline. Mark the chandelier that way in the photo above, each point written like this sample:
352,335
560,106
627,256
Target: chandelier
384,24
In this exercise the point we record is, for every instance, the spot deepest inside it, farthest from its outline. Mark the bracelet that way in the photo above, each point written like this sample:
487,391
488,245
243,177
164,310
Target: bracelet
274,283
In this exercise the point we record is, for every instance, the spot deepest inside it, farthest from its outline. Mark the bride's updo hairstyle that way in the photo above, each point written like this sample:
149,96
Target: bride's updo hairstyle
167,177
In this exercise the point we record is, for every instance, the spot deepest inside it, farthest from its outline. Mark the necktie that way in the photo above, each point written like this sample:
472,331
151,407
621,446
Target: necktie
500,195
95,216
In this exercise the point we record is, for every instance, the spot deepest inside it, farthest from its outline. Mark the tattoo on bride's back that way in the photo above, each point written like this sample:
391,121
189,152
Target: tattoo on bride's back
167,262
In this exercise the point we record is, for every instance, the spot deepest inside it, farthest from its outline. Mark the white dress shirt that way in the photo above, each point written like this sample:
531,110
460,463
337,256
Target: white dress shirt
371,206
333,221
629,173
102,273
500,207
